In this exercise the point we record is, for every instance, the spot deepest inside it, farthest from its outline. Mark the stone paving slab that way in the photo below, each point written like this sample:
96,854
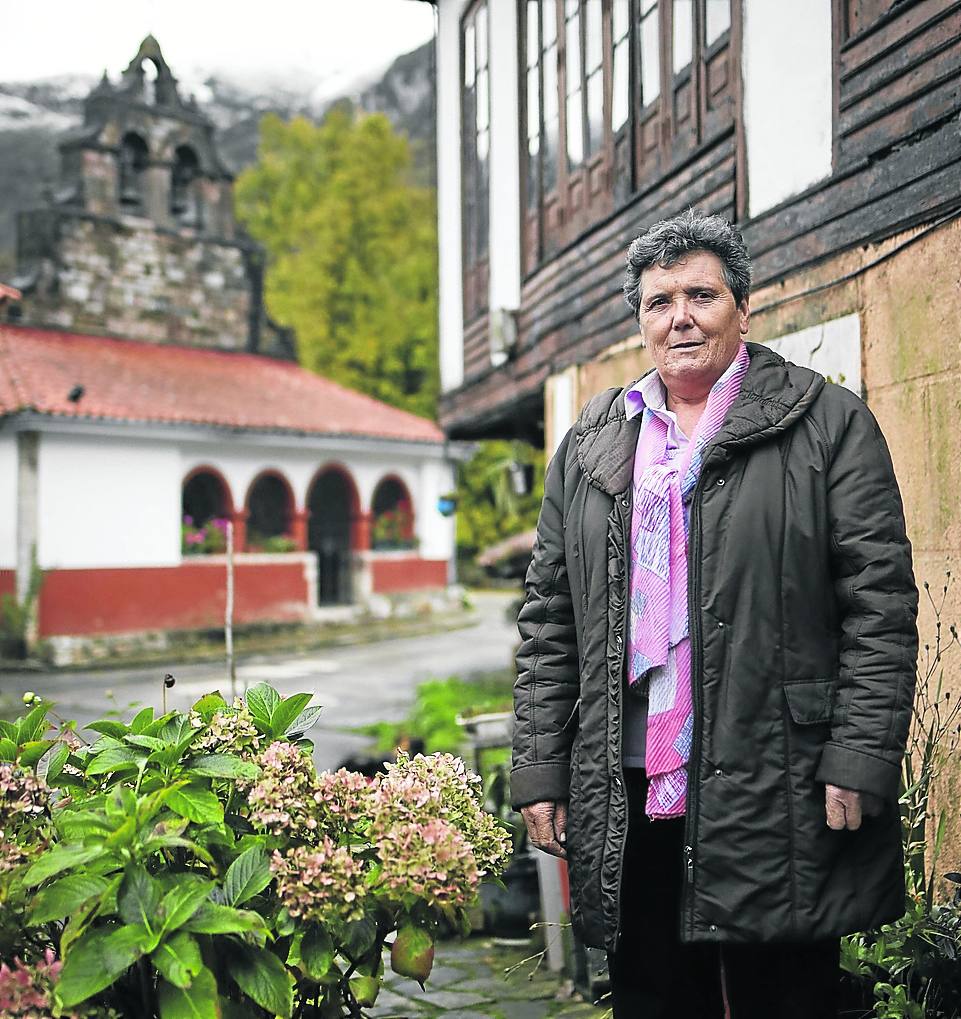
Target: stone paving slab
477,979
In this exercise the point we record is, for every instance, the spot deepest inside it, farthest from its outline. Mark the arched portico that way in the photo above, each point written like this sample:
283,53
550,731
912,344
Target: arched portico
335,530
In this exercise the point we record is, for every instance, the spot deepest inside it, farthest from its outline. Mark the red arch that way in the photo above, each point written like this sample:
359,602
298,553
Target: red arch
359,529
294,518
406,503
225,487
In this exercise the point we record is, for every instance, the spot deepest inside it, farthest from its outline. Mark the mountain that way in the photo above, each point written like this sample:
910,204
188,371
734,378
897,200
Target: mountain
34,114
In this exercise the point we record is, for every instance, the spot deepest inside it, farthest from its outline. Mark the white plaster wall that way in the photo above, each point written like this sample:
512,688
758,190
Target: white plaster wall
505,167
426,478
562,407
787,98
436,532
8,502
107,502
451,299
832,348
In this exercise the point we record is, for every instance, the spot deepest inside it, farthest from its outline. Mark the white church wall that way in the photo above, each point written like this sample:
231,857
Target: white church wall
8,502
106,502
434,531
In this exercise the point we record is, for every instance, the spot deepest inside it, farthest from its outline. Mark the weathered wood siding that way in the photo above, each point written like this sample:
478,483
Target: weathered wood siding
898,164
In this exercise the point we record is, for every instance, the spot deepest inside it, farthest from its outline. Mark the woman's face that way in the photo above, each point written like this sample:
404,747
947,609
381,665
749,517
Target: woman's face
691,322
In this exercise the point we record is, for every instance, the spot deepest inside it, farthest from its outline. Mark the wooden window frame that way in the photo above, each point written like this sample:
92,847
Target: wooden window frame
475,253
692,108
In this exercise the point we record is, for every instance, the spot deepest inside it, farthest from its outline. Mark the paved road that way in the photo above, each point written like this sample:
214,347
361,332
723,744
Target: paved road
356,684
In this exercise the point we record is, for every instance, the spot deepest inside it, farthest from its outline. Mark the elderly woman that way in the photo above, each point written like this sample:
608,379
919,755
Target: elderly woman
718,657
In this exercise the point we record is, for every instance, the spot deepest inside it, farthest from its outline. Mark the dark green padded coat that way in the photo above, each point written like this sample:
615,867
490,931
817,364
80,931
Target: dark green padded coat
802,607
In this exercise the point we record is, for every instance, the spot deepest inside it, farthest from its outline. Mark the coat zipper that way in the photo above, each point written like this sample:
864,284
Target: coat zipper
626,533
694,624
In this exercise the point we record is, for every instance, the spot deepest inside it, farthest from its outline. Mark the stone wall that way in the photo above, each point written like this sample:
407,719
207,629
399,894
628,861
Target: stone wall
127,278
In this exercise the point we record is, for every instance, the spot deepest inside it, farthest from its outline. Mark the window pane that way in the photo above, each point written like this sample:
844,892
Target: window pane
481,19
718,20
469,70
593,36
621,12
533,196
483,107
573,53
550,84
683,33
549,157
549,22
595,111
621,87
571,7
575,129
650,58
551,121
533,104
646,5
533,34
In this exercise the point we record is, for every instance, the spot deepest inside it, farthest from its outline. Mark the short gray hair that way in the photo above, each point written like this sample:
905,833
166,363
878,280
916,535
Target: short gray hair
667,242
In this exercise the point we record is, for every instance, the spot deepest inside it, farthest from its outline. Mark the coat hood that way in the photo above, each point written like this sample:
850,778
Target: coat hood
774,395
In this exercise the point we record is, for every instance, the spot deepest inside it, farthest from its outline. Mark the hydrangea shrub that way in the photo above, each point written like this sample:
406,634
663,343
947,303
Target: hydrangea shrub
195,864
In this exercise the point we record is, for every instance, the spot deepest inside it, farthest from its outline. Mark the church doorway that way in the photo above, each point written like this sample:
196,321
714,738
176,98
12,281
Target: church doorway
333,507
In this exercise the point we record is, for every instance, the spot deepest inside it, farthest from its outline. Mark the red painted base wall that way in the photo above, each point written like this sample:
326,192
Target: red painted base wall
191,596
388,576
8,581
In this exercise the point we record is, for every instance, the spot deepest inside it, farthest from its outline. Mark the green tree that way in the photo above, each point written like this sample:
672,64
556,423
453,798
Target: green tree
488,508
352,252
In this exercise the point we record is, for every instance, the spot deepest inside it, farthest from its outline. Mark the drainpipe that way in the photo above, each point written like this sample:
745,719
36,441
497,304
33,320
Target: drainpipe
28,444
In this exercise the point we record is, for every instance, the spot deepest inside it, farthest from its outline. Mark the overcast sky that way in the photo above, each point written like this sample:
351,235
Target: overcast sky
319,39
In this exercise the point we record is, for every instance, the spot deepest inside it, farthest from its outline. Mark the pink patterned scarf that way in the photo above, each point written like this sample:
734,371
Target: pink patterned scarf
659,644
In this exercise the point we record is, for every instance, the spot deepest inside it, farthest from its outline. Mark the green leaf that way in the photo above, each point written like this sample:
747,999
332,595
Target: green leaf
115,759
248,875
8,730
178,959
303,722
263,978
139,897
176,729
317,953
65,897
201,1001
30,753
109,727
146,742
60,858
141,720
359,937
96,960
287,712
8,750
196,804
262,700
51,766
212,918
183,900
34,724
209,705
223,766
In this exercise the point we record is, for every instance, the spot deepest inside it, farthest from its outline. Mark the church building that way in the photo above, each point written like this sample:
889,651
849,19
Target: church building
146,400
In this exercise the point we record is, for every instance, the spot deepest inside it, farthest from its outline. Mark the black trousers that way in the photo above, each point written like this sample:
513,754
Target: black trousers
653,975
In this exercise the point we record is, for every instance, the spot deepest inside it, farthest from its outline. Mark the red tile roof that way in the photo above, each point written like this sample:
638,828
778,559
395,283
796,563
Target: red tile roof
128,380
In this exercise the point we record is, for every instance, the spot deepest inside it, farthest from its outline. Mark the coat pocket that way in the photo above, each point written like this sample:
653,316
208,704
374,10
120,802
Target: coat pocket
811,701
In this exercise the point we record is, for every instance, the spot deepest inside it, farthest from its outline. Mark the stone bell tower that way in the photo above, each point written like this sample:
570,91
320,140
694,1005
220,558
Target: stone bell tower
138,239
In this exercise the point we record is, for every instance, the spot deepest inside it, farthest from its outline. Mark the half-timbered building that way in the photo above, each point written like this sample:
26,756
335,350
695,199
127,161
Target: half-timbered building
828,130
